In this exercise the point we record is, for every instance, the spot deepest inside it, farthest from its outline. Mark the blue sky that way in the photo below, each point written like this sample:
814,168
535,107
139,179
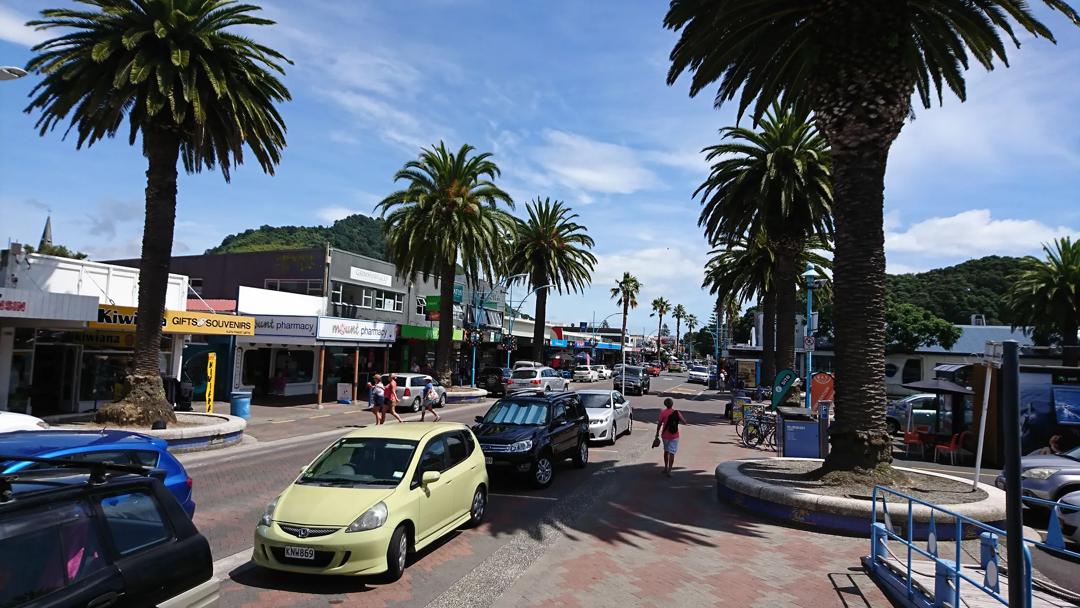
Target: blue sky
570,97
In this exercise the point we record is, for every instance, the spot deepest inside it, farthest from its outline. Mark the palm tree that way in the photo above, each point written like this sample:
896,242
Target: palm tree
691,323
1046,295
774,181
856,65
660,308
195,89
447,214
625,294
679,313
552,249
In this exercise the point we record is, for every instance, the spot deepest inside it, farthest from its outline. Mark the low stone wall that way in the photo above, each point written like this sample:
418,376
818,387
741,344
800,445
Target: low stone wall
465,395
215,431
848,515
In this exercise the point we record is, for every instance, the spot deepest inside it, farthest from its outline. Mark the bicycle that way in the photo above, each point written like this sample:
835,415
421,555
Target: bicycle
760,429
749,411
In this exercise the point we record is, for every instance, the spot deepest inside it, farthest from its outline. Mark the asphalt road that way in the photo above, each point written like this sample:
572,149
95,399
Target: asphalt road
232,488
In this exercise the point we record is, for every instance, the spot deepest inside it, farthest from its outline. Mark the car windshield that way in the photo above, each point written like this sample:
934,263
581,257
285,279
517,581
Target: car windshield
631,371
523,413
582,368
1073,453
700,369
361,461
596,400
524,374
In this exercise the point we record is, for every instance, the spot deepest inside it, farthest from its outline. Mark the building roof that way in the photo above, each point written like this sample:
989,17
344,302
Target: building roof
973,339
211,305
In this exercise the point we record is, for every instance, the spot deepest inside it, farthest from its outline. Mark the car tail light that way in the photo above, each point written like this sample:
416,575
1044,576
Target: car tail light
508,380
536,382
408,393
188,482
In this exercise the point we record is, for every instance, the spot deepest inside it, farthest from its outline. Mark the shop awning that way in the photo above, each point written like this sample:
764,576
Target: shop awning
122,318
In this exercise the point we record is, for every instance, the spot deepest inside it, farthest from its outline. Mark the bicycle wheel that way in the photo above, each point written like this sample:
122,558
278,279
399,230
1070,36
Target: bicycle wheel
752,434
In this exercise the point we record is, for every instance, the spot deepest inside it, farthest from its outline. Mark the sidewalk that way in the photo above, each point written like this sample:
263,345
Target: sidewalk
656,541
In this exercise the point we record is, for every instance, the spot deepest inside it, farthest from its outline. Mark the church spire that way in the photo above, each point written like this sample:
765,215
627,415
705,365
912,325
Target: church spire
46,235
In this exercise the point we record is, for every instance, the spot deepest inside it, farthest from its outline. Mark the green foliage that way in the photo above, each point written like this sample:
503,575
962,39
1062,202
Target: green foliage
909,327
1046,294
956,292
551,247
175,65
57,250
356,233
626,291
743,327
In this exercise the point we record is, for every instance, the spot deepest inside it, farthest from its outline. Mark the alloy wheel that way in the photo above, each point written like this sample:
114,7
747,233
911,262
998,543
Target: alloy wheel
543,470
403,546
477,510
416,405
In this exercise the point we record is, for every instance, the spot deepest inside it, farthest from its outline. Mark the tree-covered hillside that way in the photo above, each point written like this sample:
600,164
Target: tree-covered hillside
956,292
356,233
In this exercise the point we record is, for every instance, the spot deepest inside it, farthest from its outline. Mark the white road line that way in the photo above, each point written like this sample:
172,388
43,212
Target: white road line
320,416
282,421
603,450
225,565
524,496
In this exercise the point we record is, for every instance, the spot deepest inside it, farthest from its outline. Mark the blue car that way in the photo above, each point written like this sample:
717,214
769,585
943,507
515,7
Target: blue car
120,447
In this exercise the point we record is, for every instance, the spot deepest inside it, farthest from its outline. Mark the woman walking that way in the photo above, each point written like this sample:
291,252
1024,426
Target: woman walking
392,399
430,398
667,429
376,395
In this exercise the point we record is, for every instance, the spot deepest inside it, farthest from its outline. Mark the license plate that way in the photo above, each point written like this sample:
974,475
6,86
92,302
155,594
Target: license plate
300,552
487,459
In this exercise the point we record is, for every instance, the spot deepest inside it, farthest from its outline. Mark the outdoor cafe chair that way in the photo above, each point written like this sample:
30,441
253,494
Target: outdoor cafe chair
954,447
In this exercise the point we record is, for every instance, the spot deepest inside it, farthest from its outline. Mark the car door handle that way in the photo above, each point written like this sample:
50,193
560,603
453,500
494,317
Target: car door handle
101,601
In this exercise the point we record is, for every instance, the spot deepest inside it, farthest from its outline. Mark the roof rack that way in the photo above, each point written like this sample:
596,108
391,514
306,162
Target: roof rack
99,471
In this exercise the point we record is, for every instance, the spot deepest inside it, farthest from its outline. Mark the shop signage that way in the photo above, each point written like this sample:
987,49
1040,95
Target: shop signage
34,304
370,276
274,325
558,343
122,318
104,339
354,330
211,377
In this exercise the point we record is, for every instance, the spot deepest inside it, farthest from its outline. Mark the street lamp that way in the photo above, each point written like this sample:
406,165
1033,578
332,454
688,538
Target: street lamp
477,305
514,312
11,72
810,278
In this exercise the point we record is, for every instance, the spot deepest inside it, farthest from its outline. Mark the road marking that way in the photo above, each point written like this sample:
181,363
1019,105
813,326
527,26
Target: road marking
282,421
320,416
523,496
225,565
603,450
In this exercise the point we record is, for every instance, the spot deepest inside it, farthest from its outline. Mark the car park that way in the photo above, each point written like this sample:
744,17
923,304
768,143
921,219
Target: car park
586,373
410,391
698,374
636,381
118,447
526,434
14,421
536,378
494,380
85,533
374,498
1049,476
610,414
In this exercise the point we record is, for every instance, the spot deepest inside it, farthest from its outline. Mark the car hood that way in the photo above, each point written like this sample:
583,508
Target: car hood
1048,461
326,506
503,433
598,412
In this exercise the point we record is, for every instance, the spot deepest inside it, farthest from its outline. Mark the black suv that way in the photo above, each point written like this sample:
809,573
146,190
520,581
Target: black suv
637,380
529,431
493,379
98,534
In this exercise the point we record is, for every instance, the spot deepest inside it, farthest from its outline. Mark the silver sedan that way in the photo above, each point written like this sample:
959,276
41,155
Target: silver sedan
610,414
410,391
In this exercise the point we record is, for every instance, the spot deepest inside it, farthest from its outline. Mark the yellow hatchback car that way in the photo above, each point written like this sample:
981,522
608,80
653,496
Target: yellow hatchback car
374,497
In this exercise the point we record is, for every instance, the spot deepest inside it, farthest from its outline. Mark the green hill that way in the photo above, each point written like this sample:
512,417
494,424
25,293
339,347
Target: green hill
356,233
954,293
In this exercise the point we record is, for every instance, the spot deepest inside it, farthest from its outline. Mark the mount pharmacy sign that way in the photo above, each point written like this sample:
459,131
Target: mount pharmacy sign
354,330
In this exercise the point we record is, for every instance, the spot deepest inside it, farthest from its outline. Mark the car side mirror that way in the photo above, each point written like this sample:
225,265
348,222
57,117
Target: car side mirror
430,477
479,419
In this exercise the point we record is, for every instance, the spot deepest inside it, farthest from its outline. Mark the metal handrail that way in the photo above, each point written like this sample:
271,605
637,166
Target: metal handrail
955,568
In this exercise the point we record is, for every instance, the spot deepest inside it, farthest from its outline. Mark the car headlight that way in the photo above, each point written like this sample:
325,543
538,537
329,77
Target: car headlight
521,446
371,519
268,513
1037,473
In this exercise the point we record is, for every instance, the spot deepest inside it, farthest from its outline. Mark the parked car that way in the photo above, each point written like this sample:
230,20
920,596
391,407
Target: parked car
14,421
494,379
78,533
610,414
603,372
922,405
537,378
410,391
521,364
1049,477
374,498
528,433
118,447
698,374
637,381
1070,518
586,373
653,369
676,366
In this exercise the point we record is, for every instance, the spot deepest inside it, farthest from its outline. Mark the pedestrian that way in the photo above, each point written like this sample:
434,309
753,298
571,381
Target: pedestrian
667,430
376,395
415,367
391,399
430,397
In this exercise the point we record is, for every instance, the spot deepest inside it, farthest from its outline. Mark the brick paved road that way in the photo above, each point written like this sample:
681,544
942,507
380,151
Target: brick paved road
616,533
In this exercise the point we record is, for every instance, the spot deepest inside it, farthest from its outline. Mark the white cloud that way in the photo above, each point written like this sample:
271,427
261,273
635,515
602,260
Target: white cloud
973,233
333,214
13,29
576,161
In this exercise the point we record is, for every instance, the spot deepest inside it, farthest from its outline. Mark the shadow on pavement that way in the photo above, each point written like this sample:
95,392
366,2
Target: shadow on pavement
849,587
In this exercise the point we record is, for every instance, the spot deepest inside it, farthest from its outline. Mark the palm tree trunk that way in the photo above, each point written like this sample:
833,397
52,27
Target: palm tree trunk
858,436
785,306
144,400
768,338
625,310
1070,355
659,328
446,322
541,317
678,328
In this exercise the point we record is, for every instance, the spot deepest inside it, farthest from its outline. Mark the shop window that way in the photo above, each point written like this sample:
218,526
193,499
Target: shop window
365,298
254,369
336,294
311,287
294,366
399,302
421,306
912,371
196,285
380,299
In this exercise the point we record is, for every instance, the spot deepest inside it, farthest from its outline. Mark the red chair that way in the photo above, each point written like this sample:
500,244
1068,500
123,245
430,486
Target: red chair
954,447
913,438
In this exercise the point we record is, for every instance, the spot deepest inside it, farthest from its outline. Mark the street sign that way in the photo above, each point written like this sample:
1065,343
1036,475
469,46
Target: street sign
211,373
808,343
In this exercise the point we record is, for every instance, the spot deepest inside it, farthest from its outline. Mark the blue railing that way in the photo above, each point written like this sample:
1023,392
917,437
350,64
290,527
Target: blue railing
949,574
